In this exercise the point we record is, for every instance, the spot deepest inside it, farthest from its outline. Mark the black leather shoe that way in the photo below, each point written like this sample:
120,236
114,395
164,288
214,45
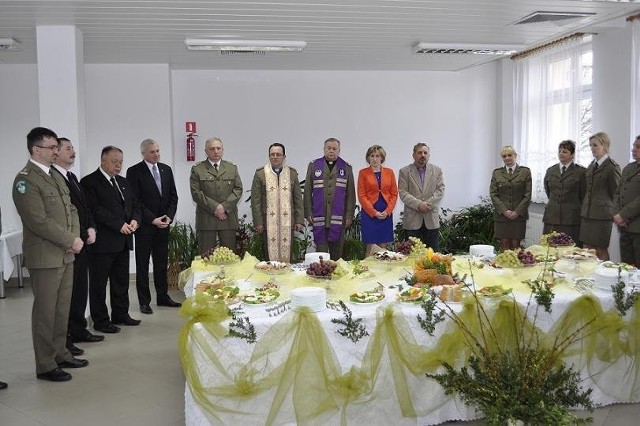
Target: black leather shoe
88,337
3,385
75,351
146,309
106,328
55,375
73,363
127,321
167,301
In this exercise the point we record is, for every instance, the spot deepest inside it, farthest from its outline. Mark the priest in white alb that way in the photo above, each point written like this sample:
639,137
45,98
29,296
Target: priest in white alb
276,205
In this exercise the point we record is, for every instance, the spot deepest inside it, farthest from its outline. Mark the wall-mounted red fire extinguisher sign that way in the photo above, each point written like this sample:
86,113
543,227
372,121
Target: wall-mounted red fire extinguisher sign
190,128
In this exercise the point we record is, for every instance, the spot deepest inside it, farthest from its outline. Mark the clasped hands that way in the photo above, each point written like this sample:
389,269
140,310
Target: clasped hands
619,220
161,222
129,228
220,212
510,214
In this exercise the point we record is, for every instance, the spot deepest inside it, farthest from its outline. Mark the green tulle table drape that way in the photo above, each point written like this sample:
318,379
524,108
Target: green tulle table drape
301,372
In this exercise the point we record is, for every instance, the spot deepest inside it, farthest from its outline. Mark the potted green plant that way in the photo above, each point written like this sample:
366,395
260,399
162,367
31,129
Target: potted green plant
182,248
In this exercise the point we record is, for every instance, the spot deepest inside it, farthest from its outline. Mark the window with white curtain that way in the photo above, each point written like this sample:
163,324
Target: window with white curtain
553,103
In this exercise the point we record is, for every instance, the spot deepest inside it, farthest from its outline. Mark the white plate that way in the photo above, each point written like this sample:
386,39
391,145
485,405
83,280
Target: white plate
368,303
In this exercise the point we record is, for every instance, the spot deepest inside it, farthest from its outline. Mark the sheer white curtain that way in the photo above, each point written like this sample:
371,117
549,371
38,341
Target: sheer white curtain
552,92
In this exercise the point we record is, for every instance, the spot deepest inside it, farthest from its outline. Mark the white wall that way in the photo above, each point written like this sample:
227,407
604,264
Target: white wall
126,104
454,113
19,113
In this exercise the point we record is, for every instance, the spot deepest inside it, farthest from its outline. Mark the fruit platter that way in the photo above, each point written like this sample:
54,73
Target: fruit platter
494,291
220,256
556,239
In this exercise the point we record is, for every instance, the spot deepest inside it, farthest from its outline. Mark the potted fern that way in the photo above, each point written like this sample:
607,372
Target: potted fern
182,247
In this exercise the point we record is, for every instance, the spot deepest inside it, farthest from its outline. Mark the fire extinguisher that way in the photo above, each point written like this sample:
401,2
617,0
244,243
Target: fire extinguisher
191,147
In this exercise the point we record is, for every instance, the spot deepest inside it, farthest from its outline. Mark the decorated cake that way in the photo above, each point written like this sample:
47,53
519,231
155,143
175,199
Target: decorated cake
309,258
314,298
482,250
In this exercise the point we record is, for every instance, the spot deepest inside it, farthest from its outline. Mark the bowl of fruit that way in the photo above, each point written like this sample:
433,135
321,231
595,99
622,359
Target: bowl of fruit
514,259
220,256
557,239
325,270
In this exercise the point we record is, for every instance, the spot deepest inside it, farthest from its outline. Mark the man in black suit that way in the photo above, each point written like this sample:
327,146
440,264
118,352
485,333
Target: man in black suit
77,330
116,213
153,185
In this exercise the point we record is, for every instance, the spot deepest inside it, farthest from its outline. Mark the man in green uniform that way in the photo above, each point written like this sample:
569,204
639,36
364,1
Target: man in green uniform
51,237
626,204
216,188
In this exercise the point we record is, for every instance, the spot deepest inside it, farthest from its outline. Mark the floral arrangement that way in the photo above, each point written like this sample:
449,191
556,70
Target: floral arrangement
434,260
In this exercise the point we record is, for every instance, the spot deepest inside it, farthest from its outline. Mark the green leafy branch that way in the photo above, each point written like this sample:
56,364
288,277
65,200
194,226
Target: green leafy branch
624,300
353,329
242,328
432,318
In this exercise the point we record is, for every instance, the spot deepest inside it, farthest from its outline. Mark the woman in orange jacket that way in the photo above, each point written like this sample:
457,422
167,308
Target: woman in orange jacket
377,194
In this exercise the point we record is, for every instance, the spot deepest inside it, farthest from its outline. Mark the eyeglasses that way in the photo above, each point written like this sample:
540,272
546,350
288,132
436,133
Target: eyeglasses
51,147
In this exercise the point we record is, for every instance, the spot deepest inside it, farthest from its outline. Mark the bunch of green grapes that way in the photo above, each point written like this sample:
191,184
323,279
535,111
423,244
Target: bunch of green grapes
418,248
340,271
220,256
508,259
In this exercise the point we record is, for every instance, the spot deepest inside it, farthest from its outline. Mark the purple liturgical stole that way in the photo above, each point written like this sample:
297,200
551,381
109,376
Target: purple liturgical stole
337,204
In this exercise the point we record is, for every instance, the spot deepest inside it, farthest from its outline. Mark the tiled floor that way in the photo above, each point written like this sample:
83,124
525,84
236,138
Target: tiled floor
134,377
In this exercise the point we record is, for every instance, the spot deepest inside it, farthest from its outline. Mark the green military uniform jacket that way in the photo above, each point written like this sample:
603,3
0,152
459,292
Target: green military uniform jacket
602,185
49,220
627,198
511,192
259,198
210,188
565,192
330,177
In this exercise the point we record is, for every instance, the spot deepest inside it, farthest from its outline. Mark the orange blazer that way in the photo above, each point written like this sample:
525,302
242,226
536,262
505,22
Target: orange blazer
368,189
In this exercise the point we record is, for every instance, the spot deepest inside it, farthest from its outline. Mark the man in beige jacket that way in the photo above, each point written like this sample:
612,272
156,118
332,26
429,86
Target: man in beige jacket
421,188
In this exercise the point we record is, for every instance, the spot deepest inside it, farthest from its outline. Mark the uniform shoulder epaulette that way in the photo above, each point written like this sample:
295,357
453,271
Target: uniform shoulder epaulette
613,161
24,171
498,168
293,168
230,162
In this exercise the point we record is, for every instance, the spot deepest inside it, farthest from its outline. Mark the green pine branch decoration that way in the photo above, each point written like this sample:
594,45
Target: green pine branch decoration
623,300
242,328
432,316
353,329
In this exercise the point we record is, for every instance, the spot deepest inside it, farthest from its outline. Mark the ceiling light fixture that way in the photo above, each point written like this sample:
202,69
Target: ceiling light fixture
465,49
9,43
244,45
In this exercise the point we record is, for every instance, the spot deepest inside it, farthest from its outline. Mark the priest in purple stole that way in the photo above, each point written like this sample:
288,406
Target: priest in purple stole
329,199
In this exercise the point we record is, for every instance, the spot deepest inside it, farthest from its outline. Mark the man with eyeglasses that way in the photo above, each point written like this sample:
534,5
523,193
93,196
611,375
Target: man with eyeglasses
276,204
51,237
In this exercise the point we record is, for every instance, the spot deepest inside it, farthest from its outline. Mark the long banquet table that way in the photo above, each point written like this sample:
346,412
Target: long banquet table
301,371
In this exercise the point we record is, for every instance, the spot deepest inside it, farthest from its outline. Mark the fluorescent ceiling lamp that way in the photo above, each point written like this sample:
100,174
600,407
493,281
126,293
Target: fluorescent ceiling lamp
245,45
9,44
465,49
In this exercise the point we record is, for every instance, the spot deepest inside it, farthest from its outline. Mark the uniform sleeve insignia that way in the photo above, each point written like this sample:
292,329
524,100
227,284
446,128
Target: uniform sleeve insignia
21,187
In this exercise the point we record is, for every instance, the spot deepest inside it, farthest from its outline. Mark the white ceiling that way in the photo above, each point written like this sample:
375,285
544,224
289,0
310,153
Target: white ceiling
340,34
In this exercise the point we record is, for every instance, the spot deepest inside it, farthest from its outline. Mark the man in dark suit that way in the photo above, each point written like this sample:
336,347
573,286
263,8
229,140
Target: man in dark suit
51,237
77,331
153,185
116,213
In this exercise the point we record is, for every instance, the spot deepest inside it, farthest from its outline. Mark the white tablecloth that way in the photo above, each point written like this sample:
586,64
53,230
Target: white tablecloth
432,406
10,247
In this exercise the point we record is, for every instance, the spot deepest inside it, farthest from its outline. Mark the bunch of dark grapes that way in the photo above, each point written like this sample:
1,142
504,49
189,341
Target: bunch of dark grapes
526,257
560,239
404,247
323,268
